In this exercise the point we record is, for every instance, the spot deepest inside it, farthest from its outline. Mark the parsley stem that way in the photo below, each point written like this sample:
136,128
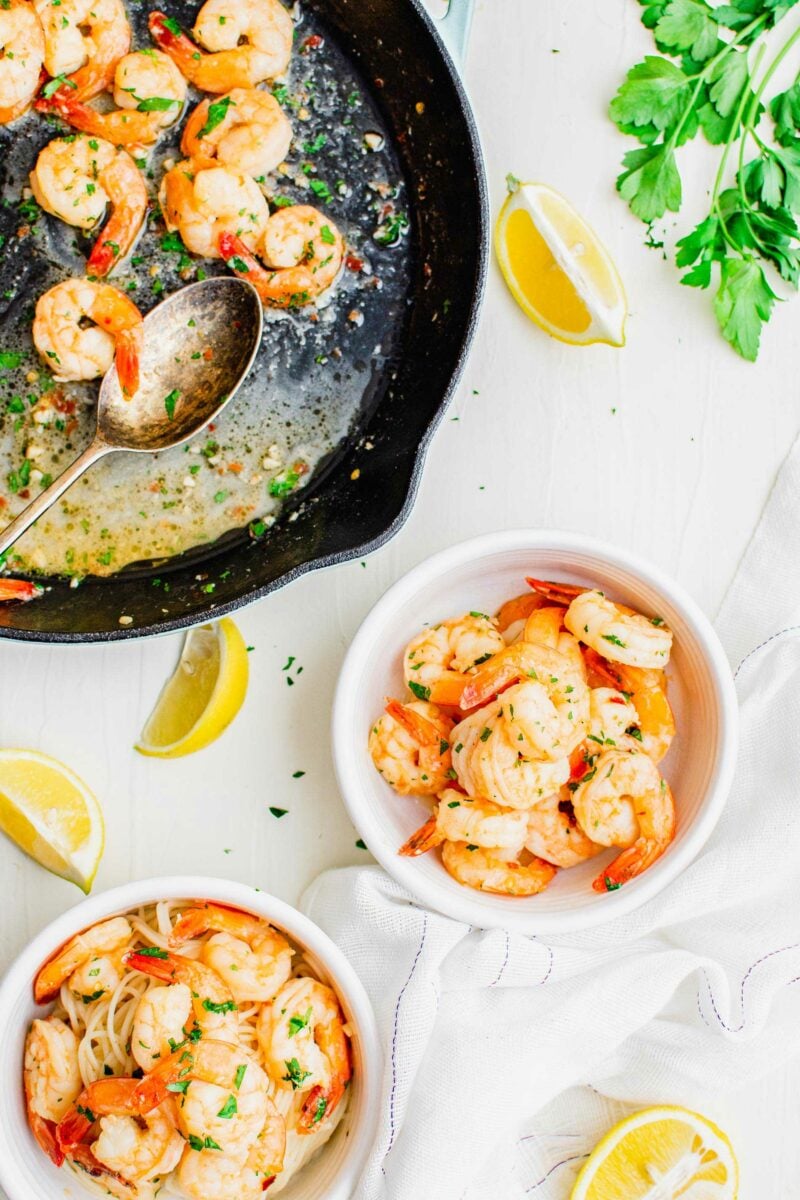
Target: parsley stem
706,71
733,136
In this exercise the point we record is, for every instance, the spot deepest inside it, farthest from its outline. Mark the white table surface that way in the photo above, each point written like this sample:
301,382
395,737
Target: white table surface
668,447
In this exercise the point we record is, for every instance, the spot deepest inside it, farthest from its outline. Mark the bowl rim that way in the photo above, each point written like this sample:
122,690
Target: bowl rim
462,907
17,980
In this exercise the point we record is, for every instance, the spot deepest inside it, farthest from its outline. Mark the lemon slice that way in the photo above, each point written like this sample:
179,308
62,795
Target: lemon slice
664,1153
558,272
202,697
51,814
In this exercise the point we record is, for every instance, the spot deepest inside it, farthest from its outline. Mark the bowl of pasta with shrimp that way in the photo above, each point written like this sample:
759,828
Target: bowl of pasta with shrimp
535,731
185,1037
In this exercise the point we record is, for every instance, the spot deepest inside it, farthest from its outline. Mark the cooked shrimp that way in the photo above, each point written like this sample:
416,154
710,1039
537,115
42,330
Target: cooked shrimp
548,713
21,58
213,1006
495,870
77,179
653,723
436,661
512,615
410,749
304,1041
84,40
19,589
554,835
461,818
625,802
245,42
209,1175
163,1019
302,250
613,630
487,762
251,957
225,1094
246,130
74,352
203,203
52,1079
134,1140
150,93
101,939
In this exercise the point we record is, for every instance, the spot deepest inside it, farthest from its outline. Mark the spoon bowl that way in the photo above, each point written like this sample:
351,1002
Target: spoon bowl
199,345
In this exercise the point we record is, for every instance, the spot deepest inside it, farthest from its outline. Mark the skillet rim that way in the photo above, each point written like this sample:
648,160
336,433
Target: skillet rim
214,612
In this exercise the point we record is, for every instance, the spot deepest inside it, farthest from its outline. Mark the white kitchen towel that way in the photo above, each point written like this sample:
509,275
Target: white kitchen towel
508,1056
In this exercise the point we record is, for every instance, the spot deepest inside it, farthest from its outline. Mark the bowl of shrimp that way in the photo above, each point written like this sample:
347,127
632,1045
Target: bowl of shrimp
535,731
185,1036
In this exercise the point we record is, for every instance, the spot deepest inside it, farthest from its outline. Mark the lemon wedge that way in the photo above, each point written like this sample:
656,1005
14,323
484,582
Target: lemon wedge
51,814
202,697
558,272
661,1153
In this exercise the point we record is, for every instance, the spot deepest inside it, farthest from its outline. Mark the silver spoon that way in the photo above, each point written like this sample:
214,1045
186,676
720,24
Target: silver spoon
180,390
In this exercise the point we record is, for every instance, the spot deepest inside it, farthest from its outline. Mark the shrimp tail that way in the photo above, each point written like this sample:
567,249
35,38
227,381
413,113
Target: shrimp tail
19,589
423,840
170,38
632,862
603,669
45,1133
127,356
241,260
518,609
557,593
156,962
423,731
320,1102
104,255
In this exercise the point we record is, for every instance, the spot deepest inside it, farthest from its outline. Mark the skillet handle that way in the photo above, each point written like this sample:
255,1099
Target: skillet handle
453,20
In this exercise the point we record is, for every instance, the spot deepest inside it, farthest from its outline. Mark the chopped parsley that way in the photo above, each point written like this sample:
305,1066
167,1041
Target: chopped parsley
170,400
295,1074
419,690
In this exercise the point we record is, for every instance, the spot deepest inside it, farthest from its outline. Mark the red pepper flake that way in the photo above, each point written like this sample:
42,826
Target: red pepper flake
236,467
353,263
208,354
212,426
312,43
63,405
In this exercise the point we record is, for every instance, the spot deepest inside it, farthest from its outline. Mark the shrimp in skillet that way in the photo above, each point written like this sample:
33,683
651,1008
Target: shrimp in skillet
204,203
73,350
78,179
238,43
84,40
21,58
149,92
409,746
251,957
625,802
19,589
302,251
246,130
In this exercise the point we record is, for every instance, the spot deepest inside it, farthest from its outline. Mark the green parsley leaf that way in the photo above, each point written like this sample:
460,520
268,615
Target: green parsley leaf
419,690
743,302
217,111
295,1074
170,400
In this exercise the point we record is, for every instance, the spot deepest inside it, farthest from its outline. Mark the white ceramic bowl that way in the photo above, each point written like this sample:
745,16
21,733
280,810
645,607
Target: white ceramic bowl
481,574
25,1171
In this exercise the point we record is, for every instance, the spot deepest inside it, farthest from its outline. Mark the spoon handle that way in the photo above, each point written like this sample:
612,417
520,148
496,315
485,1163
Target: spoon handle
43,501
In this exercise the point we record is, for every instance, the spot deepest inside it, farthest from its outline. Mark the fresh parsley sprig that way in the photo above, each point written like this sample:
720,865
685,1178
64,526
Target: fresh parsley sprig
706,79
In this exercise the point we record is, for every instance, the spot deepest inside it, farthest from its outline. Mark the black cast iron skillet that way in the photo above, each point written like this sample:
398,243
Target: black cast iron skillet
362,494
